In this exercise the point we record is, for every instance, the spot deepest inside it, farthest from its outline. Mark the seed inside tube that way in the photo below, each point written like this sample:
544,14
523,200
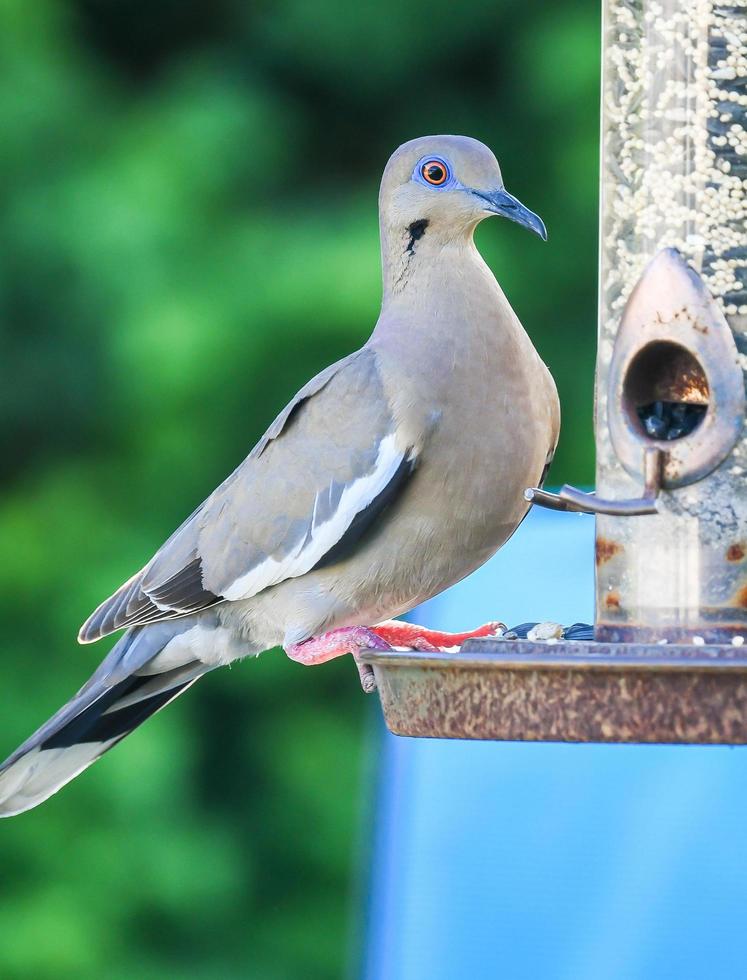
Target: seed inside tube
676,78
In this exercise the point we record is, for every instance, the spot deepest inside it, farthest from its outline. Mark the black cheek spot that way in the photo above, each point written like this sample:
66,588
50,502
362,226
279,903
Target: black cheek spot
416,231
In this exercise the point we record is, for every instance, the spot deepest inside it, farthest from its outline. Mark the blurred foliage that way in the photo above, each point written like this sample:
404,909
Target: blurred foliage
188,233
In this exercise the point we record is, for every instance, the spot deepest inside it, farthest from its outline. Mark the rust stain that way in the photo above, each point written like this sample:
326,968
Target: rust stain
735,552
612,600
605,550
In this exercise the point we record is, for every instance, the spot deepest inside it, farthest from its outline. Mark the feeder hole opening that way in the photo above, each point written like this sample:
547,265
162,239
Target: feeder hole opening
665,392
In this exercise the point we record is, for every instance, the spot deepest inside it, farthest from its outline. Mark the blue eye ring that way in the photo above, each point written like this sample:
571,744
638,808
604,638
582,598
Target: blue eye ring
434,172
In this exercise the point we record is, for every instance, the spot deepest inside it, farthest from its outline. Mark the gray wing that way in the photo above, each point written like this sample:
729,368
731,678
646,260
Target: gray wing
311,487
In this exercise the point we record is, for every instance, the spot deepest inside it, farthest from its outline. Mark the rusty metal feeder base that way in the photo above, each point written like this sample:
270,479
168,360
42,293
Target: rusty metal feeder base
567,692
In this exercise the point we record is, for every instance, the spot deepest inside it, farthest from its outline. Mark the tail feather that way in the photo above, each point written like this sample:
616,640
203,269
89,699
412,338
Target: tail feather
103,712
118,712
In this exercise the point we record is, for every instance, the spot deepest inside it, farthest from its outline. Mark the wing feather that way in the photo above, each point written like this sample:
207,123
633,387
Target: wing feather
324,470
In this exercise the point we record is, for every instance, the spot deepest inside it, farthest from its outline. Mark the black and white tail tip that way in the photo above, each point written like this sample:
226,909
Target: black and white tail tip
81,732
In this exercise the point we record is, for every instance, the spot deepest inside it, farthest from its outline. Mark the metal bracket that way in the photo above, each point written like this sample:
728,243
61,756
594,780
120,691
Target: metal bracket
572,499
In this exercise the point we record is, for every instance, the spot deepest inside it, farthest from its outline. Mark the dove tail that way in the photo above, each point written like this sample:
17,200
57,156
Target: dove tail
112,704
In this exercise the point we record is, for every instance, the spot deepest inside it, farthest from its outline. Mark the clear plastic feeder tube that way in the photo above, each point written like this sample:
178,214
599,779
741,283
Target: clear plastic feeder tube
674,175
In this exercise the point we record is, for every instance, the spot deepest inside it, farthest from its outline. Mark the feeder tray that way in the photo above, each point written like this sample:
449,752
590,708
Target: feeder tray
518,690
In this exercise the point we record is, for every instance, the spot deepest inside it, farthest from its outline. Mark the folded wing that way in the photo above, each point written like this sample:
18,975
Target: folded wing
312,487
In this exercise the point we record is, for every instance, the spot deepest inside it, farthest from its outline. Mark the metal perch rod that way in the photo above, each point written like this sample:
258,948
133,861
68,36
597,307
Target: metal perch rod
572,499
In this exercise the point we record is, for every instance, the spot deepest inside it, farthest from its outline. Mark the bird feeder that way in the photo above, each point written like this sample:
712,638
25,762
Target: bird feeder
667,661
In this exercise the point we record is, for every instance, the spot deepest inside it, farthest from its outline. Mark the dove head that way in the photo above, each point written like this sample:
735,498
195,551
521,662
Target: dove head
441,187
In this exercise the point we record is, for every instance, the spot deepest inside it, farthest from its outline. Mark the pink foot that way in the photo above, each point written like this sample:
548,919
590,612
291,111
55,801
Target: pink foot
349,639
392,633
414,637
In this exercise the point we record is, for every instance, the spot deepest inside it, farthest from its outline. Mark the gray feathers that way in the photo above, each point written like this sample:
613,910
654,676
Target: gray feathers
270,518
115,700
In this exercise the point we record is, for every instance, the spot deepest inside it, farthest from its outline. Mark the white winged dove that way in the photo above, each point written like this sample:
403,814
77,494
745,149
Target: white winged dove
391,475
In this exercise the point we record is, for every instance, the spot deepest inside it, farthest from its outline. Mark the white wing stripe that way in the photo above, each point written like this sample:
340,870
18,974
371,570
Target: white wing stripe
312,548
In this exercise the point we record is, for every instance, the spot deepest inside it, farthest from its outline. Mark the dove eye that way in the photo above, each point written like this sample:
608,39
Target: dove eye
434,172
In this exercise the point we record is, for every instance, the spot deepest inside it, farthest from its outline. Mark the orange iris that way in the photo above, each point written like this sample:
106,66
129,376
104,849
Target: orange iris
434,172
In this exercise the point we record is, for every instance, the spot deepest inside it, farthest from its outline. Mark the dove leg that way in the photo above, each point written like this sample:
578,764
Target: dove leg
414,637
327,646
391,633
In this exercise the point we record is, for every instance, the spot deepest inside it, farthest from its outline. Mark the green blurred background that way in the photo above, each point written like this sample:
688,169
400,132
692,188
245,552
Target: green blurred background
188,232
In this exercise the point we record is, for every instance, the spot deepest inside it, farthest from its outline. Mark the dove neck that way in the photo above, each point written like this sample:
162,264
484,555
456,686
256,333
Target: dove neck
431,271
